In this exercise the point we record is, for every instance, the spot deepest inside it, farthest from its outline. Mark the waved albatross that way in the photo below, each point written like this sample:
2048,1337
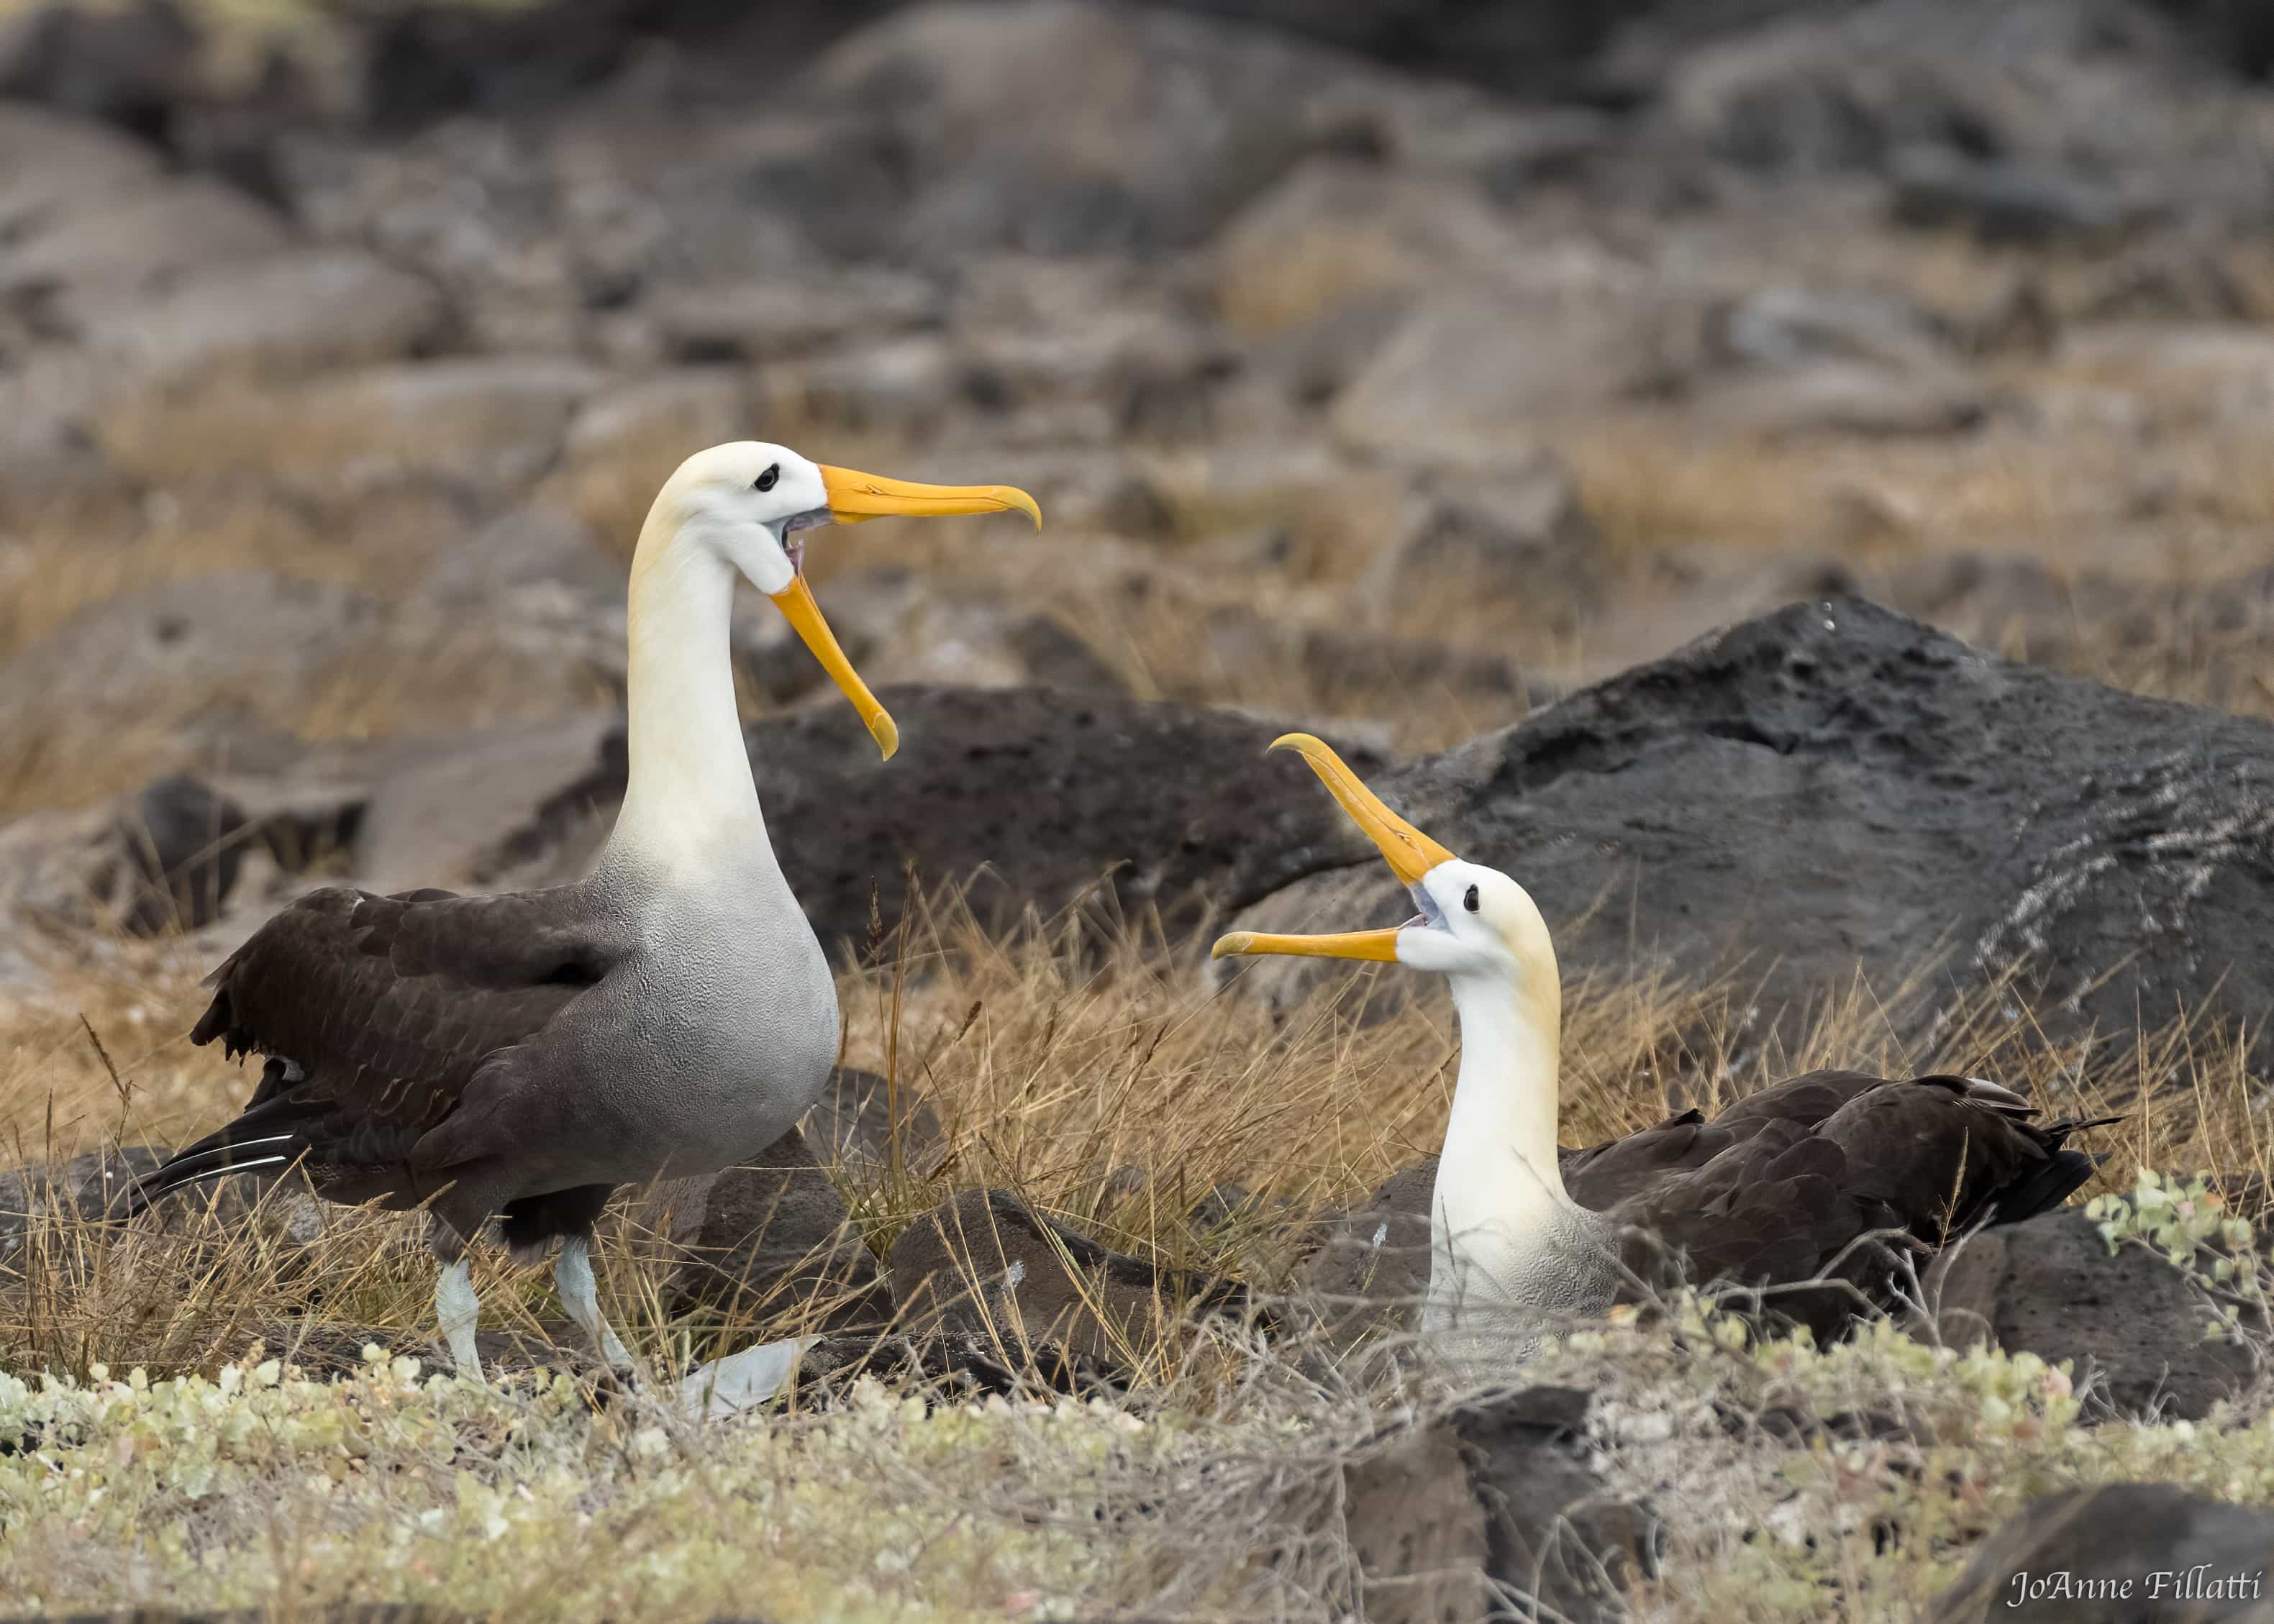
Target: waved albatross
1823,1176
518,1056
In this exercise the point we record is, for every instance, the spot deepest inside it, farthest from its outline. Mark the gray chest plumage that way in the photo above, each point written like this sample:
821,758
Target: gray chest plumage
737,1029
706,1042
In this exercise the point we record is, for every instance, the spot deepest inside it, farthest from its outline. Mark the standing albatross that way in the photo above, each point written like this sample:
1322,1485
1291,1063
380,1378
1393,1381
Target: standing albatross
1810,1179
518,1056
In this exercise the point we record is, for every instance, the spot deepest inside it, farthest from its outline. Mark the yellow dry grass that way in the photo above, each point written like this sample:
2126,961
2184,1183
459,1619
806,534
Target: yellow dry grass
1654,484
1056,1059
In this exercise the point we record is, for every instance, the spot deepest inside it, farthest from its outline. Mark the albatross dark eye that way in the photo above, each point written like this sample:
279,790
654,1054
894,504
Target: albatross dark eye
1470,901
766,481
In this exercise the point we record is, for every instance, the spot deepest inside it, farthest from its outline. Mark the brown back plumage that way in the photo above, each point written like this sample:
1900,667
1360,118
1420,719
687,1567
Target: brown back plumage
1834,1173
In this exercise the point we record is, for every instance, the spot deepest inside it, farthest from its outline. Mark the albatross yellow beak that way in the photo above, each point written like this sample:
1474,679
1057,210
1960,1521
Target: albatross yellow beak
795,601
853,497
1410,853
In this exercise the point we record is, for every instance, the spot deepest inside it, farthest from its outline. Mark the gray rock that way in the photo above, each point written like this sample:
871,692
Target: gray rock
2005,202
1126,1184
174,856
1852,87
1516,542
46,1209
1783,325
168,649
1339,233
48,161
186,844
2114,1544
1847,397
1134,372
2049,1287
1832,791
114,244
1496,1500
48,406
128,66
487,425
464,816
1137,129
1054,657
163,860
768,1240
653,417
906,386
986,1264
1371,1269
527,547
80,1190
781,318
2196,374
1417,1530
1222,1204
1469,376
296,312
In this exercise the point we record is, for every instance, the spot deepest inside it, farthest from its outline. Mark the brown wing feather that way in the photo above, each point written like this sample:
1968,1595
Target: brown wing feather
381,1010
1799,1180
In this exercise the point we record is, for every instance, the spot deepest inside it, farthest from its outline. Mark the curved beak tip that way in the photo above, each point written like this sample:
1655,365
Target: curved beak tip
1227,946
886,732
1409,853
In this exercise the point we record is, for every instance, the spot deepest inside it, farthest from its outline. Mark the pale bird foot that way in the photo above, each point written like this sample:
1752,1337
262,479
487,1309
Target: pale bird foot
741,1381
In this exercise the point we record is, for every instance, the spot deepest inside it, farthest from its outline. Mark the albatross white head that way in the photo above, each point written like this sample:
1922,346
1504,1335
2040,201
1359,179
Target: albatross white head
1477,927
1499,1193
744,507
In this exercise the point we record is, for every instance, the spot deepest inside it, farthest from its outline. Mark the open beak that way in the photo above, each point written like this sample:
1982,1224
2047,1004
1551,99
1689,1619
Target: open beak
853,497
795,601
1409,853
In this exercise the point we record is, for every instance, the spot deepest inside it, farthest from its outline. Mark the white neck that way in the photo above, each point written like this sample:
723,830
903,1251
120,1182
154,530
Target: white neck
1499,1189
689,792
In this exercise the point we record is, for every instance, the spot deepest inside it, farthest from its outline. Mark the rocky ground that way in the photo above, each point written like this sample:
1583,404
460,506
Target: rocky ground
1795,483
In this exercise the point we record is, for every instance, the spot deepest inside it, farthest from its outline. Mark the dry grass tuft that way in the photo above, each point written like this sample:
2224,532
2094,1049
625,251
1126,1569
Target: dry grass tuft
1059,1059
1056,1056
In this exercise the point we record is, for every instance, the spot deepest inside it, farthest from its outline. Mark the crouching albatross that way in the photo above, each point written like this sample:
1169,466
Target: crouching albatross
1821,1178
518,1056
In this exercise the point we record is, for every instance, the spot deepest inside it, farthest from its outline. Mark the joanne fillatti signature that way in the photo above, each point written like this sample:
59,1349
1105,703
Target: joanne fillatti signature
2198,1583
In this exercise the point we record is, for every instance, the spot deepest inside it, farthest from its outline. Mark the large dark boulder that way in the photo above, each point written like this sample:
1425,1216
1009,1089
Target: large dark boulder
2132,1322
2121,1553
1371,1269
61,1196
1050,795
1832,791
1037,798
1494,1501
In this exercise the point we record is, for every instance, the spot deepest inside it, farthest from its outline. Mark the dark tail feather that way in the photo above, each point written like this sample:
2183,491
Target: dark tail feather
2053,1180
257,1139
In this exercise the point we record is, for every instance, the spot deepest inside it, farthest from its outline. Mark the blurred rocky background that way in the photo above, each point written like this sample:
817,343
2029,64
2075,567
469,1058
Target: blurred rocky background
1388,367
